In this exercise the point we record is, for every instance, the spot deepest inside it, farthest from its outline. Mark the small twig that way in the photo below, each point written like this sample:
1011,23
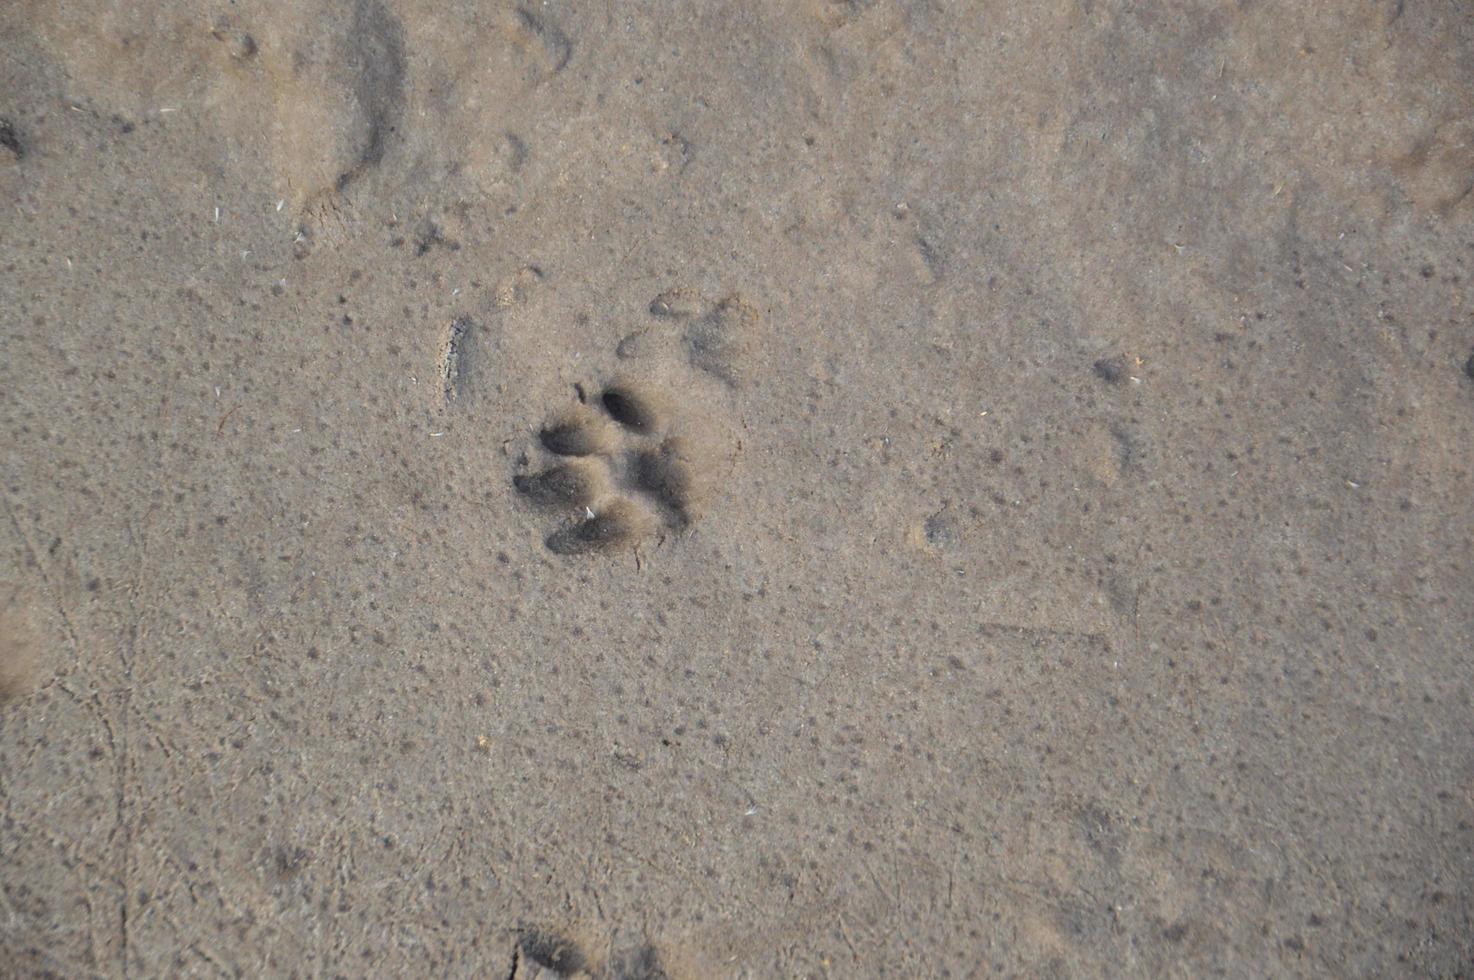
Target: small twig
220,429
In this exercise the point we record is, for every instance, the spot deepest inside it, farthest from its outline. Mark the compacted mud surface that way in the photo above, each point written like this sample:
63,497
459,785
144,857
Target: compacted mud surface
774,489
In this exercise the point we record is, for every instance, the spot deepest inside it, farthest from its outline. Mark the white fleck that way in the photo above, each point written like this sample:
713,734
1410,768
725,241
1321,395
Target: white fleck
217,215
433,434
588,513
280,203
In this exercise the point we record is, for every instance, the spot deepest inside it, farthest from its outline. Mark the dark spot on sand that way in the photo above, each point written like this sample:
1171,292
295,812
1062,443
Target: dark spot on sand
640,964
241,45
614,528
563,485
1110,369
551,951
10,140
290,860
627,407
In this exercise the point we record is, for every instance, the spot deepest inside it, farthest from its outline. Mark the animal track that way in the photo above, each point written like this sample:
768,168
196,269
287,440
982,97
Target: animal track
453,357
321,89
543,951
626,463
722,339
545,46
552,951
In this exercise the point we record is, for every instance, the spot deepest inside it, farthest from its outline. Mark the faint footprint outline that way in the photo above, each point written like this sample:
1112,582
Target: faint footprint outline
721,339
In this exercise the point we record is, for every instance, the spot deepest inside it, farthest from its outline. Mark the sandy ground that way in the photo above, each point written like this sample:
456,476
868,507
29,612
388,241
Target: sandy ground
774,489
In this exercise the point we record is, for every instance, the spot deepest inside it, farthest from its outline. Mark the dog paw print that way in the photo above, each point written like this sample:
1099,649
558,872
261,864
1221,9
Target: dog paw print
623,466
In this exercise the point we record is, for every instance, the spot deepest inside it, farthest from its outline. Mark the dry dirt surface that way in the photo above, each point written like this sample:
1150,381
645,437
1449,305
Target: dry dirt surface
760,489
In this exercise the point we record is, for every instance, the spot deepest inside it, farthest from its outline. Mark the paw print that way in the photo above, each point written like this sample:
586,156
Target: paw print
623,466
722,339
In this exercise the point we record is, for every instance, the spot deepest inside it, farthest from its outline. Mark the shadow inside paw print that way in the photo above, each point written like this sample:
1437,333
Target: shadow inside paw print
622,463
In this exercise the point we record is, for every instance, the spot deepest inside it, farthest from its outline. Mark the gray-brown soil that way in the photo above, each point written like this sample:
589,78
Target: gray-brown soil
757,489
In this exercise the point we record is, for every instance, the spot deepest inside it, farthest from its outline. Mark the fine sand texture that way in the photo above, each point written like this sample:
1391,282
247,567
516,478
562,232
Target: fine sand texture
781,488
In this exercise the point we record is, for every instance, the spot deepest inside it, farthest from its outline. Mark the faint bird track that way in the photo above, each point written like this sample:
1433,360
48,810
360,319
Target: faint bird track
625,464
